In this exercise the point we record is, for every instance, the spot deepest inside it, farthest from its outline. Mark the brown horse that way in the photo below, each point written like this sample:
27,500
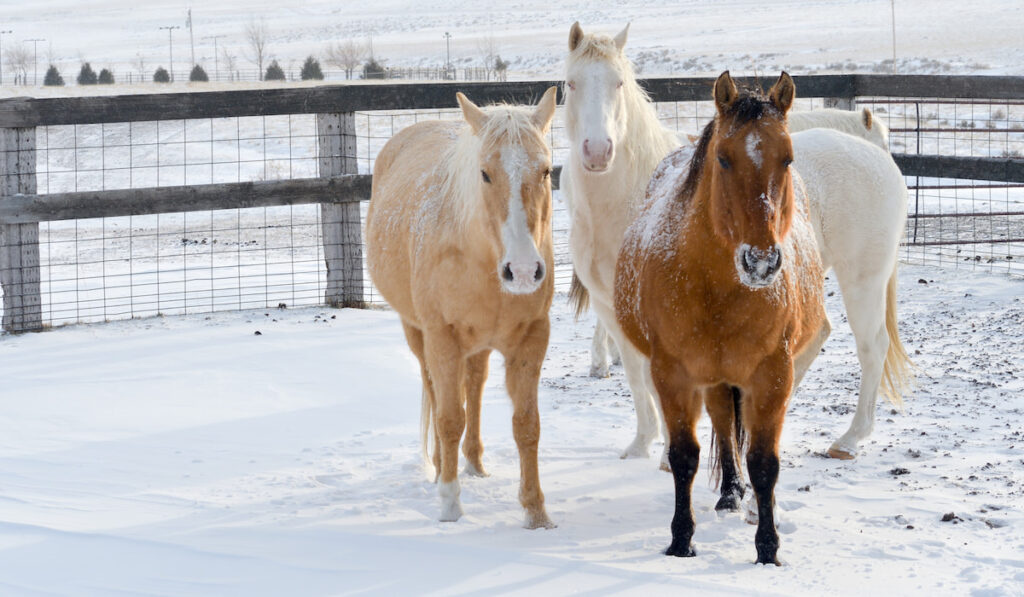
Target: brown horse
459,243
719,283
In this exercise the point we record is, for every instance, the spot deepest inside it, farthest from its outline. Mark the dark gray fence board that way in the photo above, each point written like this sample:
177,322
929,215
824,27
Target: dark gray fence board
971,168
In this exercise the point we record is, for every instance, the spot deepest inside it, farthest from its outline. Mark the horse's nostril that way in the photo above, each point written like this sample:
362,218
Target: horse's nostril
749,263
539,274
506,273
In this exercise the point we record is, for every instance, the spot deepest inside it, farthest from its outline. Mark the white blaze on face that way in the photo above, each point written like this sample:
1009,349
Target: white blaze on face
753,149
521,261
594,101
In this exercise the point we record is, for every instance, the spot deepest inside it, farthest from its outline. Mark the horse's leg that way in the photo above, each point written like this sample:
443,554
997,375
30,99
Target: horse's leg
647,416
802,362
613,352
522,374
472,446
720,403
649,382
599,352
865,308
763,408
414,337
446,366
681,404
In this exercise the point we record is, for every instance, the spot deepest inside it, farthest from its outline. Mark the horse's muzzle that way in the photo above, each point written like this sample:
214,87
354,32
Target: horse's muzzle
757,268
522,278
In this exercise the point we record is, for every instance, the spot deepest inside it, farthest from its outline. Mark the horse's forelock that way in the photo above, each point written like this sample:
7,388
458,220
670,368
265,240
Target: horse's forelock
595,47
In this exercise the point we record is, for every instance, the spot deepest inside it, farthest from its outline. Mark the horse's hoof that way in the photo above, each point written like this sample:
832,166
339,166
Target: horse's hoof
635,451
450,513
665,466
475,470
600,372
728,503
766,561
539,521
680,551
839,454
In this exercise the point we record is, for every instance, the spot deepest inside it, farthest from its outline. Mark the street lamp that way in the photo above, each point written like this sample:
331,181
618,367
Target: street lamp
2,54
170,47
448,54
35,58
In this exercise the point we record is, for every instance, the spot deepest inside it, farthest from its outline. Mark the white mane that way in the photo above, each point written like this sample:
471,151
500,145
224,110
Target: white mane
460,163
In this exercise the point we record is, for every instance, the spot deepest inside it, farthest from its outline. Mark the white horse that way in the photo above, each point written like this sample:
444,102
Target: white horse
861,124
616,141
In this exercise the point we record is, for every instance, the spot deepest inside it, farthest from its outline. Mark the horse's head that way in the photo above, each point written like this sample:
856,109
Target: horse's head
514,181
749,154
597,78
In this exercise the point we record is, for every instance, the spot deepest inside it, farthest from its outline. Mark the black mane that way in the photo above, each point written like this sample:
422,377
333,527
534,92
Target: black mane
751,105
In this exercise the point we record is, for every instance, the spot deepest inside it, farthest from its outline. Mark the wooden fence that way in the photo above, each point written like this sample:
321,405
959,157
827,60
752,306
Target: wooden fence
339,188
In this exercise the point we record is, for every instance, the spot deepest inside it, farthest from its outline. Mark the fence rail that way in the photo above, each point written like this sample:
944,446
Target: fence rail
333,182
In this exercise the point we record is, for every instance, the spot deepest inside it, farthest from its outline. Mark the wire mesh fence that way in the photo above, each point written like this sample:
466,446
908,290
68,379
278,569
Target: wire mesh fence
961,223
107,268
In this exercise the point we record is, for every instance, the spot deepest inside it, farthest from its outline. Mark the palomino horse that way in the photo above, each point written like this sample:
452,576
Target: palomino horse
459,243
615,144
858,211
719,283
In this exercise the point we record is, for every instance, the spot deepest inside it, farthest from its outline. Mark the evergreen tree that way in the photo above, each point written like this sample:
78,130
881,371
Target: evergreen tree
87,76
161,75
274,72
373,69
106,77
53,78
311,70
198,74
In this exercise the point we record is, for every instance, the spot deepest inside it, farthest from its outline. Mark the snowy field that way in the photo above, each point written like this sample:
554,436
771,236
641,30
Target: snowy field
181,456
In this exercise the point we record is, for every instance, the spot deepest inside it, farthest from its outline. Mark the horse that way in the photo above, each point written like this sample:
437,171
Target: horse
861,124
719,283
858,225
459,243
615,143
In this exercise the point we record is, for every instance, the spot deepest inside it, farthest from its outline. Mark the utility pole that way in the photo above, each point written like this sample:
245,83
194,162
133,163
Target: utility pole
191,40
35,59
448,54
2,54
170,47
216,64
893,4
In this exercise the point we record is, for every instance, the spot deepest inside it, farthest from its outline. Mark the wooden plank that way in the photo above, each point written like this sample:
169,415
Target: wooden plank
940,86
136,202
341,223
970,168
19,243
699,88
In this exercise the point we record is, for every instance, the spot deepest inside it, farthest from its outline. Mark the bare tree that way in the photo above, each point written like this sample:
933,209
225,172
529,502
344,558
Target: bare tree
347,55
230,62
256,36
18,59
139,64
487,48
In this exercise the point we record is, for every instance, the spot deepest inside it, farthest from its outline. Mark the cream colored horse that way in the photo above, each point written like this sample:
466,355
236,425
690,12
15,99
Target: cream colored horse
459,242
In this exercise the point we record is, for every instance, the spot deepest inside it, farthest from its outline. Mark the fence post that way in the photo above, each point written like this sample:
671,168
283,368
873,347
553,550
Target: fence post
341,222
19,243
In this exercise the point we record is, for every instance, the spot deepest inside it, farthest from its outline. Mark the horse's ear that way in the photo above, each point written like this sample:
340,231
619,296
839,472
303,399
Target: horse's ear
783,92
545,109
725,92
866,118
620,39
575,36
471,112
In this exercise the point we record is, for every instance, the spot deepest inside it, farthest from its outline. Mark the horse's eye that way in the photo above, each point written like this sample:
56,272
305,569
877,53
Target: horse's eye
724,163
487,179
547,173
572,85
619,86
786,162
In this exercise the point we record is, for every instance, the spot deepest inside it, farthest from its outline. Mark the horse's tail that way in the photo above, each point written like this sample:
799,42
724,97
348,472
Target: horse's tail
426,430
579,296
898,370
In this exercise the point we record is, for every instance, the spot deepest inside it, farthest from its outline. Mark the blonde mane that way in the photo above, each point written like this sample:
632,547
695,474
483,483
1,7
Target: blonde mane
460,164
646,141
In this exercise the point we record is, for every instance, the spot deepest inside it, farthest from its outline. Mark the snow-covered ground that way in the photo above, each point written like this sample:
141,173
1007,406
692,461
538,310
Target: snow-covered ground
180,456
